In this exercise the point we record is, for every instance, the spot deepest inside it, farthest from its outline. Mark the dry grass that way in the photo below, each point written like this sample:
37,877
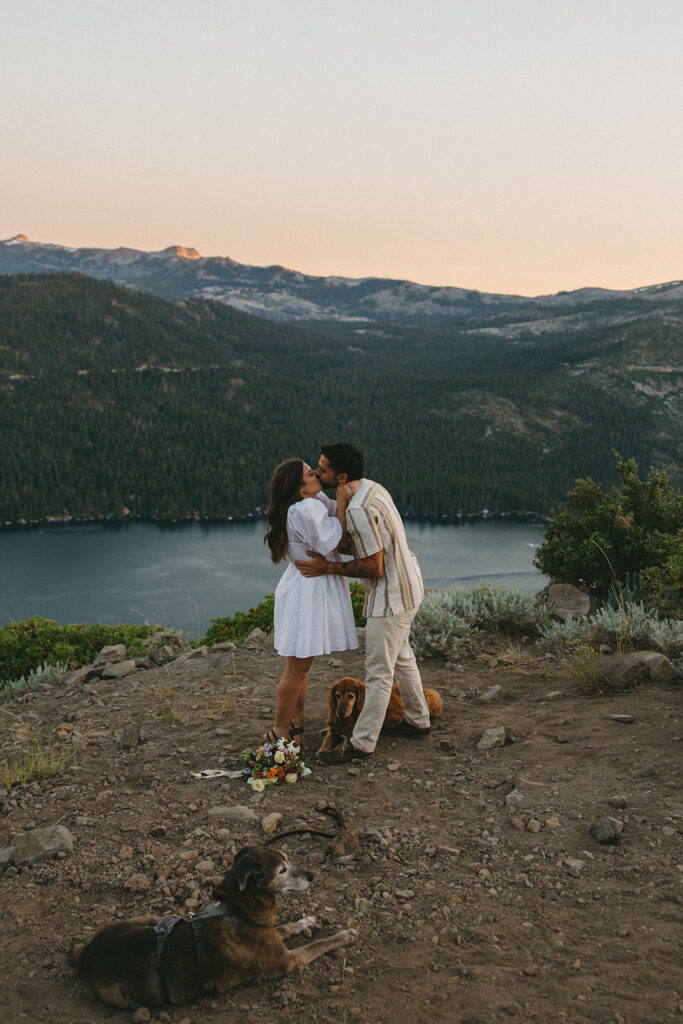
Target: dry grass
37,761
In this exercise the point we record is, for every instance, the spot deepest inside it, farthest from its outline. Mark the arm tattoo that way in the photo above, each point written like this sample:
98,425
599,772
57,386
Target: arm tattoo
353,568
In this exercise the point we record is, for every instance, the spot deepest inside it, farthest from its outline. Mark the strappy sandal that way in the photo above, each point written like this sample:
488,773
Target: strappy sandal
272,737
297,734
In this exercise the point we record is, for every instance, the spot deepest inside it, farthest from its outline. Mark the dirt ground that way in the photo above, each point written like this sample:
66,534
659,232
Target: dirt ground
463,913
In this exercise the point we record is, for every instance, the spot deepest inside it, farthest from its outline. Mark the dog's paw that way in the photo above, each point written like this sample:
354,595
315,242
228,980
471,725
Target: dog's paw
348,936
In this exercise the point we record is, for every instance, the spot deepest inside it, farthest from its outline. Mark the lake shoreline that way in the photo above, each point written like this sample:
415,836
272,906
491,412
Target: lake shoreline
190,518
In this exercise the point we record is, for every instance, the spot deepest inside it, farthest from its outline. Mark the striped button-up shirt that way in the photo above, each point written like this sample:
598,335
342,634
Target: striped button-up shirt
374,524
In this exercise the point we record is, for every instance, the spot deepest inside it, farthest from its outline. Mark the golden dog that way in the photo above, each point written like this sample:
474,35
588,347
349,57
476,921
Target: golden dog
345,702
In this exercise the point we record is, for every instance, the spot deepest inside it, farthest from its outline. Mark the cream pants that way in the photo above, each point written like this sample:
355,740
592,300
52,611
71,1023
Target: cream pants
389,659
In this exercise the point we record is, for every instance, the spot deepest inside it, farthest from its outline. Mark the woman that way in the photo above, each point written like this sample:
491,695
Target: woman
312,616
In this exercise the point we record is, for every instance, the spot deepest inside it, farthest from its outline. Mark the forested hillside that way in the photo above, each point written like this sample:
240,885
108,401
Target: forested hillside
111,399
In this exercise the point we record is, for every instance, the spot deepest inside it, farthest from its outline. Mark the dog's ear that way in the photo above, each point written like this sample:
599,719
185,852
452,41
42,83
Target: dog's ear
360,696
247,864
332,697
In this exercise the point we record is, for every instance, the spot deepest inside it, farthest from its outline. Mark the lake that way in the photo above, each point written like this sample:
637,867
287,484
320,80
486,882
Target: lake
183,576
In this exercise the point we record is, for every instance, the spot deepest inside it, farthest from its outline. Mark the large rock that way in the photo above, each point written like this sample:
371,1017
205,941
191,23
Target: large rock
111,654
257,638
493,738
624,670
30,847
118,669
564,601
658,665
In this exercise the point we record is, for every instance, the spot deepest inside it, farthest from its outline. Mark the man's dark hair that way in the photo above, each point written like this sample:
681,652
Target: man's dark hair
345,458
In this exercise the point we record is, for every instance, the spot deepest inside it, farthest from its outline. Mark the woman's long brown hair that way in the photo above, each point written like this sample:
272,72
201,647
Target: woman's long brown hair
284,492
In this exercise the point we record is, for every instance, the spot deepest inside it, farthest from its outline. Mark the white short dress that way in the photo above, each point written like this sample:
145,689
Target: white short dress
313,616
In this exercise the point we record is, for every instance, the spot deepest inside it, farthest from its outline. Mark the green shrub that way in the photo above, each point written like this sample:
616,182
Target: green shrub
44,675
24,646
602,538
448,619
237,628
633,628
662,584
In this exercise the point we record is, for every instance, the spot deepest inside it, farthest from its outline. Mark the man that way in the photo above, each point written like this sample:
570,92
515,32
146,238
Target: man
375,535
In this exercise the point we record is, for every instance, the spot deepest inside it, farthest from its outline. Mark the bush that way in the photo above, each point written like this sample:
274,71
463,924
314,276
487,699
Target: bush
25,646
602,538
633,628
437,629
448,619
44,675
662,584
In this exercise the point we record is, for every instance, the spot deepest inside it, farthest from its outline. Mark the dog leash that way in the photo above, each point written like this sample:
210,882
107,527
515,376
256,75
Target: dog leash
332,811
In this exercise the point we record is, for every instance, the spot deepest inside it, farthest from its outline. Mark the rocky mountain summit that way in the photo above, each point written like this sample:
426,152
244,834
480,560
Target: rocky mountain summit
522,863
278,293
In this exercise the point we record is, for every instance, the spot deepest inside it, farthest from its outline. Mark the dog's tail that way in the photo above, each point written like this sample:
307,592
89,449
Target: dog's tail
434,703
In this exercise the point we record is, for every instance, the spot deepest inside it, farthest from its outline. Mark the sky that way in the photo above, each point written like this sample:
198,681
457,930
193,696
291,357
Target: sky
517,146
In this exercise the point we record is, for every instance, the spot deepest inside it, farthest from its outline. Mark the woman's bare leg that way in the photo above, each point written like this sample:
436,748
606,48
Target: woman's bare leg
291,693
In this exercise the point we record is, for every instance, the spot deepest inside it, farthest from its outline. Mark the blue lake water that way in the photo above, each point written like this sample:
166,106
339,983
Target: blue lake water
184,576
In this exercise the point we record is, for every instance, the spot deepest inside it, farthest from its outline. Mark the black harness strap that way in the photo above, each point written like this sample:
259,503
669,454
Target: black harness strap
166,925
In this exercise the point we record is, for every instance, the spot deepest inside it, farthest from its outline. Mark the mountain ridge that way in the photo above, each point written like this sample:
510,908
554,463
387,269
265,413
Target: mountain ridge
279,293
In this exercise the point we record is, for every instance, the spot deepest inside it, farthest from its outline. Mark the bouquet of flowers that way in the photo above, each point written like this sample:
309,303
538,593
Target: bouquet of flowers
273,763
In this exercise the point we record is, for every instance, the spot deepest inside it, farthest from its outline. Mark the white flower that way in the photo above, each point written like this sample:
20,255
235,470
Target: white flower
290,777
292,748
258,785
279,756
305,771
281,743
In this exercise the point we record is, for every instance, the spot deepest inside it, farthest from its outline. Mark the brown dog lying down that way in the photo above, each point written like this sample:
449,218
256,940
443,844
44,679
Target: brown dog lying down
345,702
128,964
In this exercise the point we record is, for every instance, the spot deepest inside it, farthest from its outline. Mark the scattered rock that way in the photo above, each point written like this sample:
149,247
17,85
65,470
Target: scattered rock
617,801
626,719
223,648
533,825
574,866
196,654
49,841
237,812
514,800
493,738
445,744
393,766
553,822
607,830
554,695
141,1015
110,655
6,856
257,638
82,675
137,883
130,736
118,669
564,601
271,822
493,693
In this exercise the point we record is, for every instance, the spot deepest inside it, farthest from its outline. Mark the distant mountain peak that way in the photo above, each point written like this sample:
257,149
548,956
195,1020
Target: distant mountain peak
16,240
181,252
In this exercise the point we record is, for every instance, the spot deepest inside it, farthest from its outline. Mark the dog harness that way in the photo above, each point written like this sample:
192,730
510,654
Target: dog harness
166,925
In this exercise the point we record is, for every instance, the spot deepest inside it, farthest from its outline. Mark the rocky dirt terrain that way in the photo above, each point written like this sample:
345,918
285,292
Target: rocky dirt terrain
469,908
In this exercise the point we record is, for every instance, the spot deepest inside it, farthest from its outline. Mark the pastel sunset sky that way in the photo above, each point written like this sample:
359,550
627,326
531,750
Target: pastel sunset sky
519,146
